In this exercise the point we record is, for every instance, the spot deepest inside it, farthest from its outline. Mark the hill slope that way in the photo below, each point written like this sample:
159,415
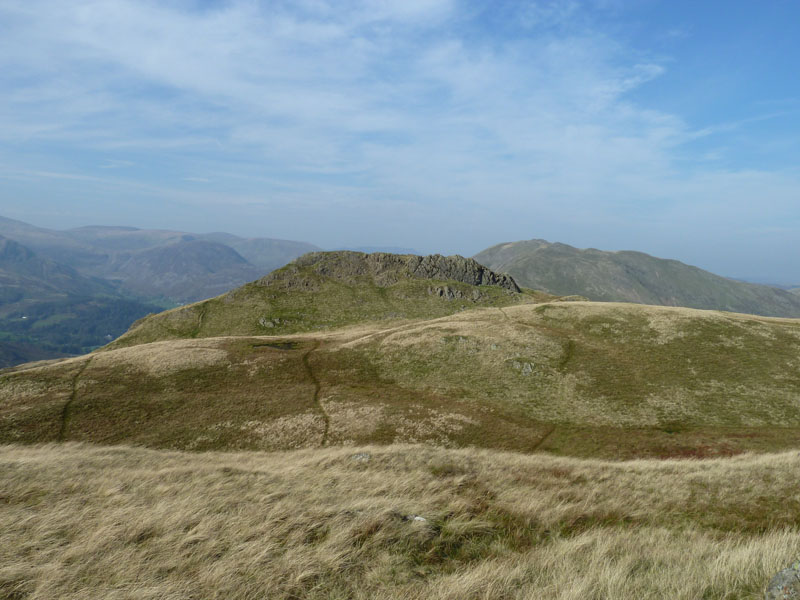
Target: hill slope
585,379
49,310
632,277
324,290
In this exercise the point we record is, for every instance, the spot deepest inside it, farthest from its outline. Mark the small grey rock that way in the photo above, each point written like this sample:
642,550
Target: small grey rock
527,368
416,518
785,585
362,456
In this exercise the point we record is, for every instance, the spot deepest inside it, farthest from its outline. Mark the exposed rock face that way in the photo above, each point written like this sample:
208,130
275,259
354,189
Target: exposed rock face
388,269
785,585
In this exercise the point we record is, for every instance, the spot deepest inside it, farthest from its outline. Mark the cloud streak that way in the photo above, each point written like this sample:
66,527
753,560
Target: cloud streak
365,108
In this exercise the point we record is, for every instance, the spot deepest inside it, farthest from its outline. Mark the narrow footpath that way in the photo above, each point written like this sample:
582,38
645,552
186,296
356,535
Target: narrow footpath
317,387
62,432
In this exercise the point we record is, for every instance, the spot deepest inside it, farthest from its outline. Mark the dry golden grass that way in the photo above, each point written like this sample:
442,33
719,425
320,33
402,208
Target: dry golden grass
163,358
82,521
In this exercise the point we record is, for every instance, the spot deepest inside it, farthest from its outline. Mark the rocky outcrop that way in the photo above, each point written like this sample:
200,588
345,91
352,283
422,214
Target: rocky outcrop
785,585
387,269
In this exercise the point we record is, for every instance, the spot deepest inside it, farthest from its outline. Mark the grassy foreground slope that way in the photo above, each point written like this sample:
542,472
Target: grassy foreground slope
403,522
632,277
581,379
324,290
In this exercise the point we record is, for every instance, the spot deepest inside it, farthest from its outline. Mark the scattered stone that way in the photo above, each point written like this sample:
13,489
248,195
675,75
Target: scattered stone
362,456
525,367
785,585
416,518
445,292
269,323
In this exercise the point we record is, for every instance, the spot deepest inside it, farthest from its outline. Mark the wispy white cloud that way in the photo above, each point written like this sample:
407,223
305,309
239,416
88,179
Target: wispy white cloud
361,106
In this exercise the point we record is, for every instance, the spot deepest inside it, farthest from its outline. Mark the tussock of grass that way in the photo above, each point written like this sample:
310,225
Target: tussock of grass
81,521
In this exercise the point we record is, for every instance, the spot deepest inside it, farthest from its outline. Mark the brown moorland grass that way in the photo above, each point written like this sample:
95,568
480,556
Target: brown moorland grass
79,521
583,379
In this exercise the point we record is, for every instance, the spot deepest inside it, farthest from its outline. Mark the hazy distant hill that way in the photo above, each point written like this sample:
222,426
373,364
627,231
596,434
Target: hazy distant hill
632,277
795,290
175,265
49,310
23,275
55,245
185,271
265,253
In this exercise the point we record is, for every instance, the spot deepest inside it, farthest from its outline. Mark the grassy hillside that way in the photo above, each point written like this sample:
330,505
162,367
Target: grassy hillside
326,290
632,277
581,379
408,523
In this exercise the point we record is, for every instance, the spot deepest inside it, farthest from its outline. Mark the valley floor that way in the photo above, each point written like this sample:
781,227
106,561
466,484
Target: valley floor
411,522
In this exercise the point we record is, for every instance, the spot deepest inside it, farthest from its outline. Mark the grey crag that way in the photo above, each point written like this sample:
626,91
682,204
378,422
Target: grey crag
388,269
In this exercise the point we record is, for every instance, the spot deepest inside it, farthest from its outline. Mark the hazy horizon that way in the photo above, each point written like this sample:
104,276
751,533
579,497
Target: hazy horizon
669,128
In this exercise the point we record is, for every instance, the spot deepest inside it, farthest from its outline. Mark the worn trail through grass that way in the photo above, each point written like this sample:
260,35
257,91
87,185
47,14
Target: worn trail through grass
317,388
62,431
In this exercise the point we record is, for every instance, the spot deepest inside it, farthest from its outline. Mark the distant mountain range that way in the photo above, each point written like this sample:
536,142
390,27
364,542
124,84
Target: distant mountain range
172,265
49,310
632,277
66,292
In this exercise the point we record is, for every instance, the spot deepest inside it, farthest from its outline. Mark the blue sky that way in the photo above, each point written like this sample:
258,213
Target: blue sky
669,127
